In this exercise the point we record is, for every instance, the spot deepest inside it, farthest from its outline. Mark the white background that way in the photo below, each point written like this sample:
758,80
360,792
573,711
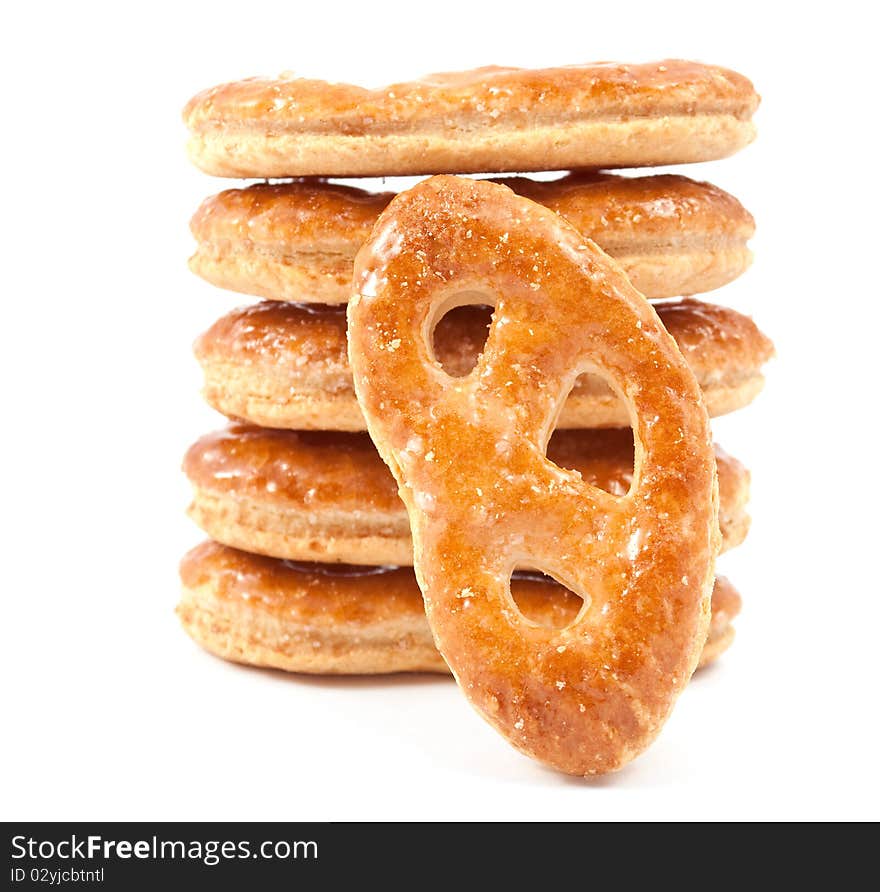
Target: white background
111,712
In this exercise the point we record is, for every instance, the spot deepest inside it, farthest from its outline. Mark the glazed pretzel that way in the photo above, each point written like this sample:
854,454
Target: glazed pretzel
469,457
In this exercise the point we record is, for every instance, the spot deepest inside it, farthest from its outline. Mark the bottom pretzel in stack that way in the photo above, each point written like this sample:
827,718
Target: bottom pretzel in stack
332,619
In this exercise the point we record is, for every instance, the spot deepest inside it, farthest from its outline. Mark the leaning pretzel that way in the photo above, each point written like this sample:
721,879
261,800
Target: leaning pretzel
469,457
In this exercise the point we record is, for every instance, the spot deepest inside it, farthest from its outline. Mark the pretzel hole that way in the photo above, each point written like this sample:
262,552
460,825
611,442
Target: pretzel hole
461,331
604,458
544,601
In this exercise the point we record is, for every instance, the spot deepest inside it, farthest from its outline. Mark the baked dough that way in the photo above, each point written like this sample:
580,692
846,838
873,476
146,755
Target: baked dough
482,497
285,366
296,241
485,120
324,496
332,619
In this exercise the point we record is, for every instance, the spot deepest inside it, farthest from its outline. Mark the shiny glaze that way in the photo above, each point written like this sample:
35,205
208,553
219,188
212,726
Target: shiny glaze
620,213
316,595
309,469
489,97
352,599
335,485
305,214
343,471
467,455
301,344
308,345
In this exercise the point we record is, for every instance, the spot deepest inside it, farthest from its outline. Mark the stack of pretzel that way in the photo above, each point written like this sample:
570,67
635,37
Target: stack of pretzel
360,444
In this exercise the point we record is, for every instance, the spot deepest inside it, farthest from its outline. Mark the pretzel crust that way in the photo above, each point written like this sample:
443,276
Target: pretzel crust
285,366
313,618
484,120
467,454
328,497
297,241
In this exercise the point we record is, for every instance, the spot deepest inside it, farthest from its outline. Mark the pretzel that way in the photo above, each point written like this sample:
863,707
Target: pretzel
338,619
489,119
281,365
326,496
296,241
469,457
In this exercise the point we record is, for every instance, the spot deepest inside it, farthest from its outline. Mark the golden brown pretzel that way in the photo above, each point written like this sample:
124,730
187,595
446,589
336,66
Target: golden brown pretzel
468,454
603,114
296,241
282,365
332,619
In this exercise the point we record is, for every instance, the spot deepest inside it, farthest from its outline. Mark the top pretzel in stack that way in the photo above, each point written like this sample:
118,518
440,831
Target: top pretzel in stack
293,487
488,120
